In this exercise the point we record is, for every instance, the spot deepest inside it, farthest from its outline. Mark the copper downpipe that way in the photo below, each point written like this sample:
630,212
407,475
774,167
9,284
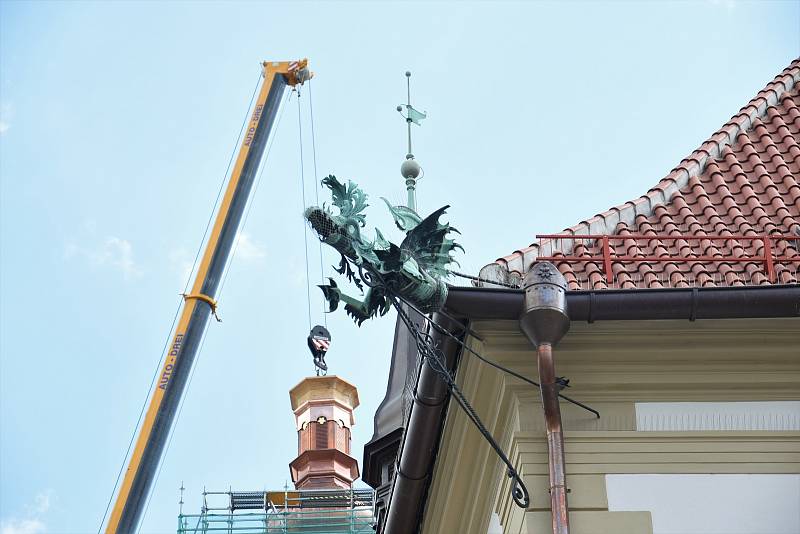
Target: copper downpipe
555,439
544,321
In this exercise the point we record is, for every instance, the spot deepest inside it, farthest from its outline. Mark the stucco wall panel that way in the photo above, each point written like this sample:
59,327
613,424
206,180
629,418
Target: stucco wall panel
665,452
592,523
611,366
587,492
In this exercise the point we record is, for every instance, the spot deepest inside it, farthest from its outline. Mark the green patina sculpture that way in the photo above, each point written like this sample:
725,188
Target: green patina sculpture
412,271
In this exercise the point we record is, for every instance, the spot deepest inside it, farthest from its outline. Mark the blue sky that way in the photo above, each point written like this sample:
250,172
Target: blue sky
117,123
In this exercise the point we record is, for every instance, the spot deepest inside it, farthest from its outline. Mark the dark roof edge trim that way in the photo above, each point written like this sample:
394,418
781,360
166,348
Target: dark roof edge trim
637,304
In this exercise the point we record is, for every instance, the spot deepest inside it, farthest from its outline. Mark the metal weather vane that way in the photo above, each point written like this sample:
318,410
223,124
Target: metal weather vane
410,169
412,271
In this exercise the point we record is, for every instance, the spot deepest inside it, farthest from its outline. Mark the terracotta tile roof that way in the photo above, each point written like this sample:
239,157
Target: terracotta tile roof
741,185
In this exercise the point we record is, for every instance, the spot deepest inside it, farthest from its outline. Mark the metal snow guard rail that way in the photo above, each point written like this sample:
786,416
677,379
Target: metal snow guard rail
768,259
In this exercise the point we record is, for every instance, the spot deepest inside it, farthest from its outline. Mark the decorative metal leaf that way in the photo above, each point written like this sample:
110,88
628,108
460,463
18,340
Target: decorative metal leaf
345,269
332,294
428,244
356,314
381,243
350,200
358,203
405,218
338,190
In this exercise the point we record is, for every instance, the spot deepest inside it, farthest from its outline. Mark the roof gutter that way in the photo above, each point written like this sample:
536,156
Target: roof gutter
481,303
421,436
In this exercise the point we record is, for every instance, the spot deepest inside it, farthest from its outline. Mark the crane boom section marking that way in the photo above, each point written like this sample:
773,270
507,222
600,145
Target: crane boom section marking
171,358
271,70
269,76
147,425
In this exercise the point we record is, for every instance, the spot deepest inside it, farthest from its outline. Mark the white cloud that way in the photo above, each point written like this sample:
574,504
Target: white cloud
114,252
182,260
33,523
182,264
22,526
70,250
247,249
730,5
42,501
117,253
6,110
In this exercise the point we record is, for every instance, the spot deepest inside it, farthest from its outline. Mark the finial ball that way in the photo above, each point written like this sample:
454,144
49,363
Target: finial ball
408,73
410,169
399,108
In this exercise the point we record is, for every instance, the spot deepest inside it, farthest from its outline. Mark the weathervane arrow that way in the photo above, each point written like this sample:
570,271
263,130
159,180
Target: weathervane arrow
410,169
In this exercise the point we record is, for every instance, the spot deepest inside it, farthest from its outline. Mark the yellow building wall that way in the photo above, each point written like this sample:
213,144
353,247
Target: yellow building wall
611,366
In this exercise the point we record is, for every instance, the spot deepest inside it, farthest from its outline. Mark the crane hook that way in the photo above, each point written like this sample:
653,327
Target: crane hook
319,341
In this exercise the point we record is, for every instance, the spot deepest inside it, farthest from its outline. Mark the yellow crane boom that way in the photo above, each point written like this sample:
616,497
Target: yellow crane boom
200,303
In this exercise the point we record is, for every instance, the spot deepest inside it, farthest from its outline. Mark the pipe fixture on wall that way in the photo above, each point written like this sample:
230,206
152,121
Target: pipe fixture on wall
544,321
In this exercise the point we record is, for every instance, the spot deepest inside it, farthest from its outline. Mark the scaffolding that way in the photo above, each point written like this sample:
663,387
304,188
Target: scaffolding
282,512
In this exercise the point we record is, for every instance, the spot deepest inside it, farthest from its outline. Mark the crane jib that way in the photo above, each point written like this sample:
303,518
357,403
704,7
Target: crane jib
196,312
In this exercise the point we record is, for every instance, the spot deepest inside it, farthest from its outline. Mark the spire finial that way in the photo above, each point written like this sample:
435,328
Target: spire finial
410,169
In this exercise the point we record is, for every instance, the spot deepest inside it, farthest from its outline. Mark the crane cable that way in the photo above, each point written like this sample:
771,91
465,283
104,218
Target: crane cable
316,198
317,186
222,286
253,195
303,194
178,309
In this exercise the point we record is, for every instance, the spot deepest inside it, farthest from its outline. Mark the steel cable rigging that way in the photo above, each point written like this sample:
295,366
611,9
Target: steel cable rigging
319,337
496,365
435,358
317,186
303,195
